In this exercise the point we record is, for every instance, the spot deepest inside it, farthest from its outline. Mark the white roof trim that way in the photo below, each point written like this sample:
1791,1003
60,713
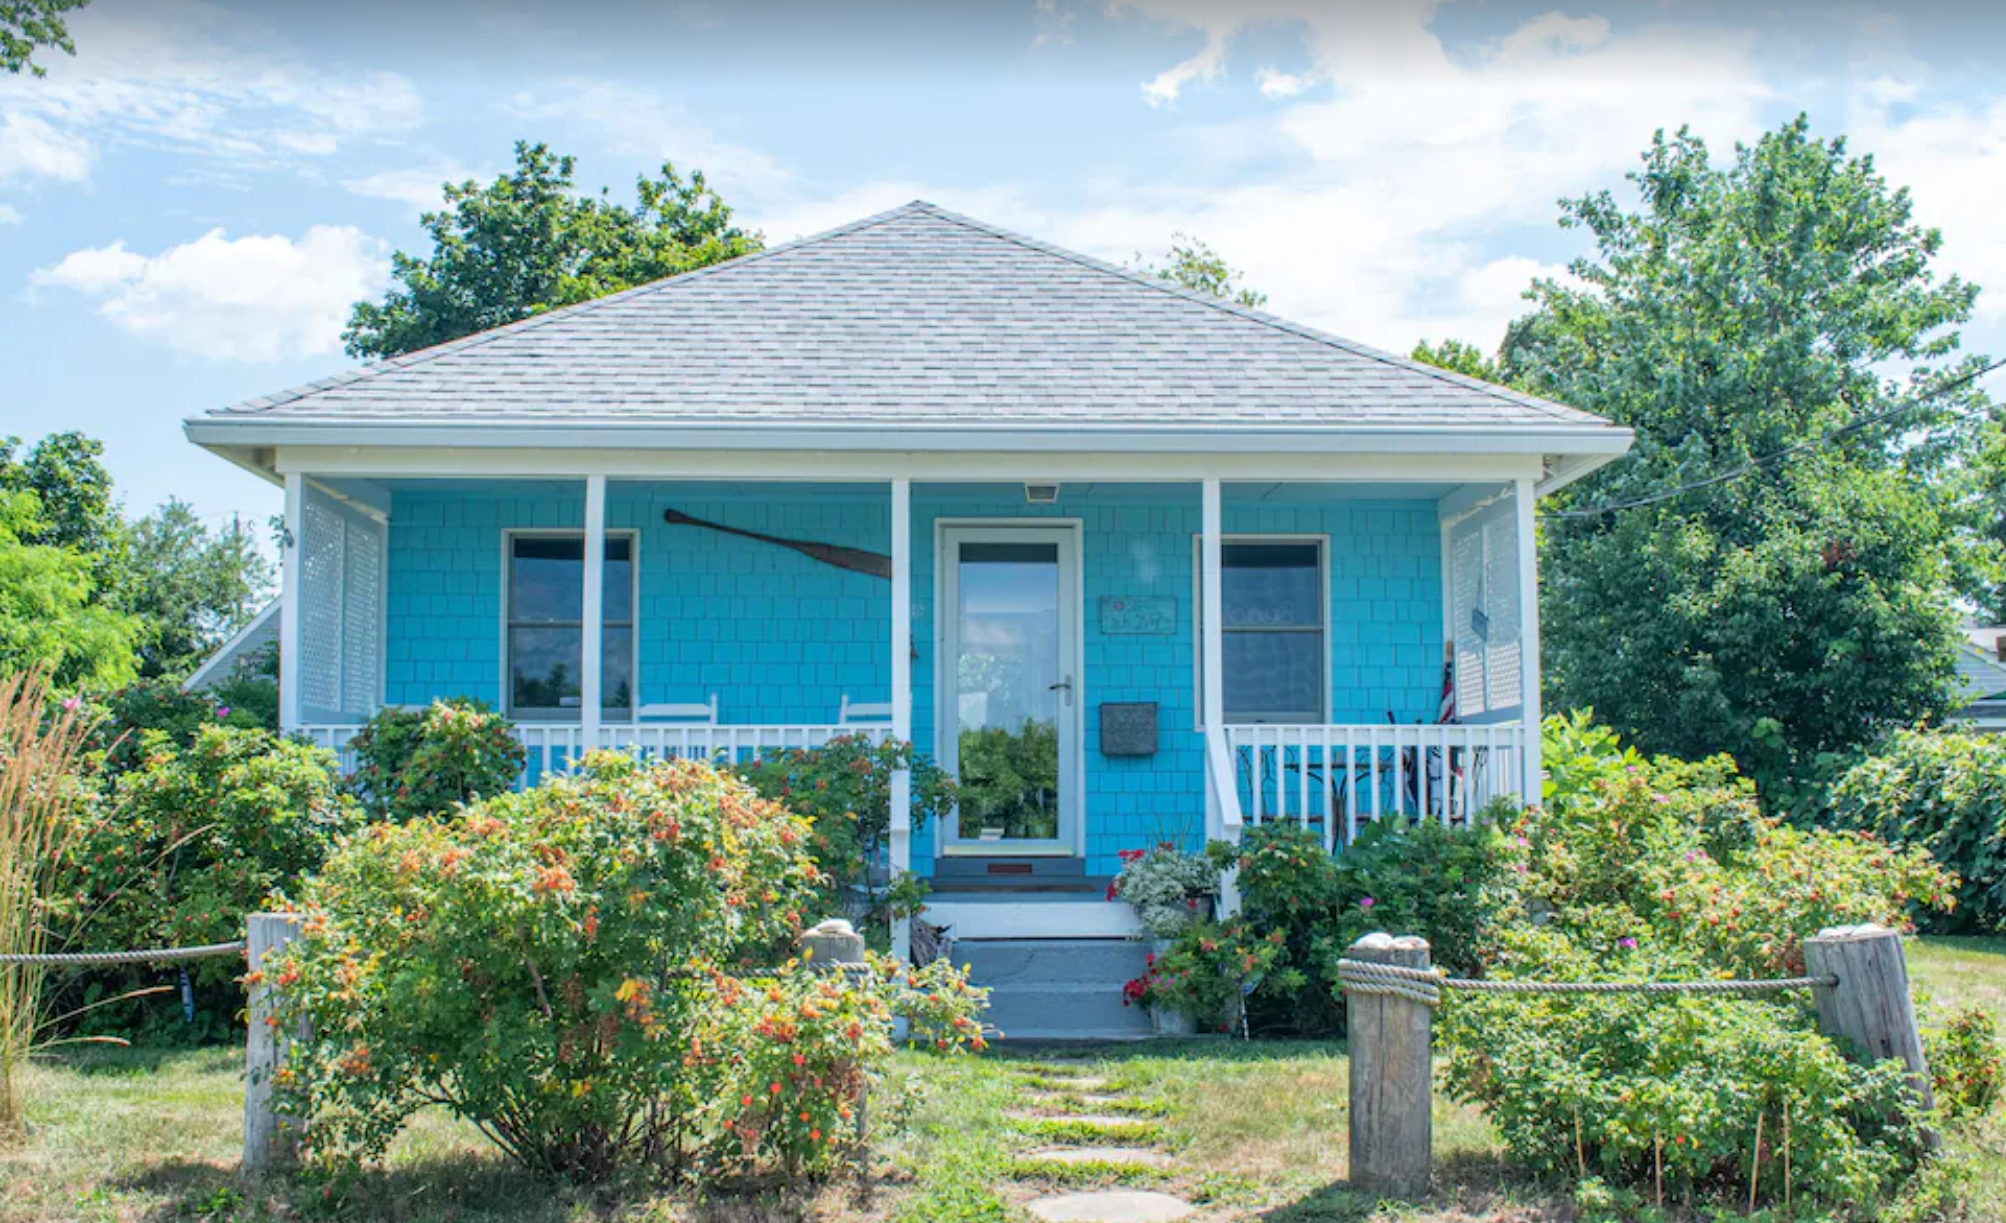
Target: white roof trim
227,652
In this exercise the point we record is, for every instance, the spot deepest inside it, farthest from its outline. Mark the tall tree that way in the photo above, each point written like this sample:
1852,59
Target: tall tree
526,243
1196,266
73,491
29,25
1739,313
51,614
193,587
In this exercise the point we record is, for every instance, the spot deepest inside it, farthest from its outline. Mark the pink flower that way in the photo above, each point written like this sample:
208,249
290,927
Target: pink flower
222,711
69,702
1367,903
1627,943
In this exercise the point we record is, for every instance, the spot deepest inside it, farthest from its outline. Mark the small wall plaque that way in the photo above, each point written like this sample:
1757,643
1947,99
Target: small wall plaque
1128,728
1138,615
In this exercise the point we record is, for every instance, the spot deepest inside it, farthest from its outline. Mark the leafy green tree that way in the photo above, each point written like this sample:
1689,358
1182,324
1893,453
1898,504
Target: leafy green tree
28,25
73,493
193,586
50,615
1984,485
1460,358
1740,320
526,243
1196,266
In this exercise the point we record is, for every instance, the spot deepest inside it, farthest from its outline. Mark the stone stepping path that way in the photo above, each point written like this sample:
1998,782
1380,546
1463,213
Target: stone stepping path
1060,1087
1111,1206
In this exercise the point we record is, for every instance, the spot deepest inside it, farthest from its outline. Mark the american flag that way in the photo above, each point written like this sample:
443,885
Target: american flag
1447,711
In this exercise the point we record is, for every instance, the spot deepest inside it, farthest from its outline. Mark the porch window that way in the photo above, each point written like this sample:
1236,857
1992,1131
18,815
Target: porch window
546,626
1273,592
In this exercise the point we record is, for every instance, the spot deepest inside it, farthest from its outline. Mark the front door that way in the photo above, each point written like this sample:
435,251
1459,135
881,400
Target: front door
1010,687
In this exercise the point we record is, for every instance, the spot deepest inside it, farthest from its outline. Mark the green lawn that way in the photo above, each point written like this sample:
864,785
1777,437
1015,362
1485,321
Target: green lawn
1258,1131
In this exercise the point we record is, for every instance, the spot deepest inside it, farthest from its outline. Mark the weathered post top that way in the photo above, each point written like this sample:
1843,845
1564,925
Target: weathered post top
1870,1007
834,941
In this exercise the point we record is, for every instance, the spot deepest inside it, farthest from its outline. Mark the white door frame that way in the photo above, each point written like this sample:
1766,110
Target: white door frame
1067,533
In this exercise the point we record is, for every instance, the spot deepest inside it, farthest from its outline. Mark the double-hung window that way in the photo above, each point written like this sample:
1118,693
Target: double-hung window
546,626
1274,659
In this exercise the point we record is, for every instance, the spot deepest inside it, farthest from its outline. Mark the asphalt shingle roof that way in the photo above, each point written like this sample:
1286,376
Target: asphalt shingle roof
917,315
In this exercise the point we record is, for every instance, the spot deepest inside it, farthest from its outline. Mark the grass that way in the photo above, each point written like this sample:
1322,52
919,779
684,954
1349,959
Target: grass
1258,1132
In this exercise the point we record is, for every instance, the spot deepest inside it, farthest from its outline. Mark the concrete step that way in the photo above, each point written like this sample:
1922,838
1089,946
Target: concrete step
1058,989
1028,915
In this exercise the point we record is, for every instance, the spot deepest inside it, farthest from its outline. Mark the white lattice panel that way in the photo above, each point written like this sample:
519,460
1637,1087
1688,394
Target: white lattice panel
1484,609
361,616
321,546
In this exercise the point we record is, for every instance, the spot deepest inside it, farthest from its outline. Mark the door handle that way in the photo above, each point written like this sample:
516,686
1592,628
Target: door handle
1067,685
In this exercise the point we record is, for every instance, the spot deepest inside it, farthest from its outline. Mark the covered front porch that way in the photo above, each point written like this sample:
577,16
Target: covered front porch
1105,663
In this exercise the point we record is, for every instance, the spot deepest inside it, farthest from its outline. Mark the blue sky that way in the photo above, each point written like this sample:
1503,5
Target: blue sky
188,208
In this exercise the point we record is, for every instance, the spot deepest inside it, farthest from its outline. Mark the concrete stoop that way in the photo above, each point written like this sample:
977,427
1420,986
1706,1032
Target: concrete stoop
1058,988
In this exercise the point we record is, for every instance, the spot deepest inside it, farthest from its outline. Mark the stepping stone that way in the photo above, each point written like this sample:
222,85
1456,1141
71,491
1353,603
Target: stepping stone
1111,1206
1133,1157
1102,1120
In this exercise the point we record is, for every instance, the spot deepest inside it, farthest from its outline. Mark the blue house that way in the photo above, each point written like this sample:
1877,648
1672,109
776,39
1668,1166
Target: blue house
1136,564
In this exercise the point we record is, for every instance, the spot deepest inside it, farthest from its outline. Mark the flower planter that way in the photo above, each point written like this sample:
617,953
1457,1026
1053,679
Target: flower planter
1167,1022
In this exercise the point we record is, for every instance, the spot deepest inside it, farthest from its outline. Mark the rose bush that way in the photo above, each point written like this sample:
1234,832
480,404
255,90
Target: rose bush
1168,888
1945,793
413,762
560,967
176,850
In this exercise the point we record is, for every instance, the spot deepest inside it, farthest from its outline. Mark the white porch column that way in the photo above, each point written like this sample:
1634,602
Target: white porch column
1523,501
1212,611
901,781
590,699
291,630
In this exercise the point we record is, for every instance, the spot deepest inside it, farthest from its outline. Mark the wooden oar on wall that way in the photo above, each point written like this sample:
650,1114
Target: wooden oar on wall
856,560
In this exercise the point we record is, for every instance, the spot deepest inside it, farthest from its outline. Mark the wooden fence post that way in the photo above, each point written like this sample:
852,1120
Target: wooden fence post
1870,1007
1392,1076
268,1141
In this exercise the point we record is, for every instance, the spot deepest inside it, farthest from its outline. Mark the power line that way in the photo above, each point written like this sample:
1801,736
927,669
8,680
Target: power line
1757,464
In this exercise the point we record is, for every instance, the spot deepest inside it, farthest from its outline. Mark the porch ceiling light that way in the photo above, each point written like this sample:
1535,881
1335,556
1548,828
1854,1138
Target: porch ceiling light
1041,494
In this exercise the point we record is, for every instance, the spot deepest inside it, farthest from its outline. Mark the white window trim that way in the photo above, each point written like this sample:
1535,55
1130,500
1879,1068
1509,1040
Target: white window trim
509,536
1226,540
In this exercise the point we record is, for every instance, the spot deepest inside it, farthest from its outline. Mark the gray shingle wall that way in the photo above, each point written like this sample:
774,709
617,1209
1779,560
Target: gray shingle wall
916,316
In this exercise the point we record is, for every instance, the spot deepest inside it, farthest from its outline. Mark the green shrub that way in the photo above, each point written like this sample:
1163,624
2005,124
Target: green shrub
1449,885
555,966
1965,1061
181,847
1662,870
415,762
1945,793
844,790
126,715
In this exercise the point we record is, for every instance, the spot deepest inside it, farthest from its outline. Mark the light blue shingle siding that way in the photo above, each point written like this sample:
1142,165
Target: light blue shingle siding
782,638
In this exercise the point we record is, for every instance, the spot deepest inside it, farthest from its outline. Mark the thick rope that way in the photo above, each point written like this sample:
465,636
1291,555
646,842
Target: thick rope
156,955
1425,985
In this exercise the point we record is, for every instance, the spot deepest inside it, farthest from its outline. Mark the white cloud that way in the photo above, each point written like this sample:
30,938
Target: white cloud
31,149
642,122
196,78
256,298
1381,204
1280,86
9,216
418,186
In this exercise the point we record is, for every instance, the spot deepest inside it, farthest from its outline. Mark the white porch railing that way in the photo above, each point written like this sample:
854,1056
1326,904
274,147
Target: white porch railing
552,747
1337,779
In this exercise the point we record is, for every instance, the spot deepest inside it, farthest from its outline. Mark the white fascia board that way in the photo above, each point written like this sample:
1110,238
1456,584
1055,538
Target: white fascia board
387,462
1572,467
227,652
1060,437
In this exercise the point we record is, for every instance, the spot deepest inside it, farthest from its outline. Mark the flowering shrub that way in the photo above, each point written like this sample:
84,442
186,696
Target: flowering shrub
1965,1061
1449,885
183,845
1665,870
1624,1086
1165,886
1207,972
558,966
844,790
126,715
1945,793
413,762
781,1059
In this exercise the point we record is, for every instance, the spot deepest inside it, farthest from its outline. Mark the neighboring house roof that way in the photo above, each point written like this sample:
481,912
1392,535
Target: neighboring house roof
262,631
917,316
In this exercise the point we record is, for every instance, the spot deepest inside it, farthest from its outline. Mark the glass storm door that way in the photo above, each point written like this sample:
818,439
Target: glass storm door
1010,709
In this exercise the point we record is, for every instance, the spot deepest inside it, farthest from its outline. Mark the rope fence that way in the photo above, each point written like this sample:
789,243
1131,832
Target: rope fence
154,955
1425,985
